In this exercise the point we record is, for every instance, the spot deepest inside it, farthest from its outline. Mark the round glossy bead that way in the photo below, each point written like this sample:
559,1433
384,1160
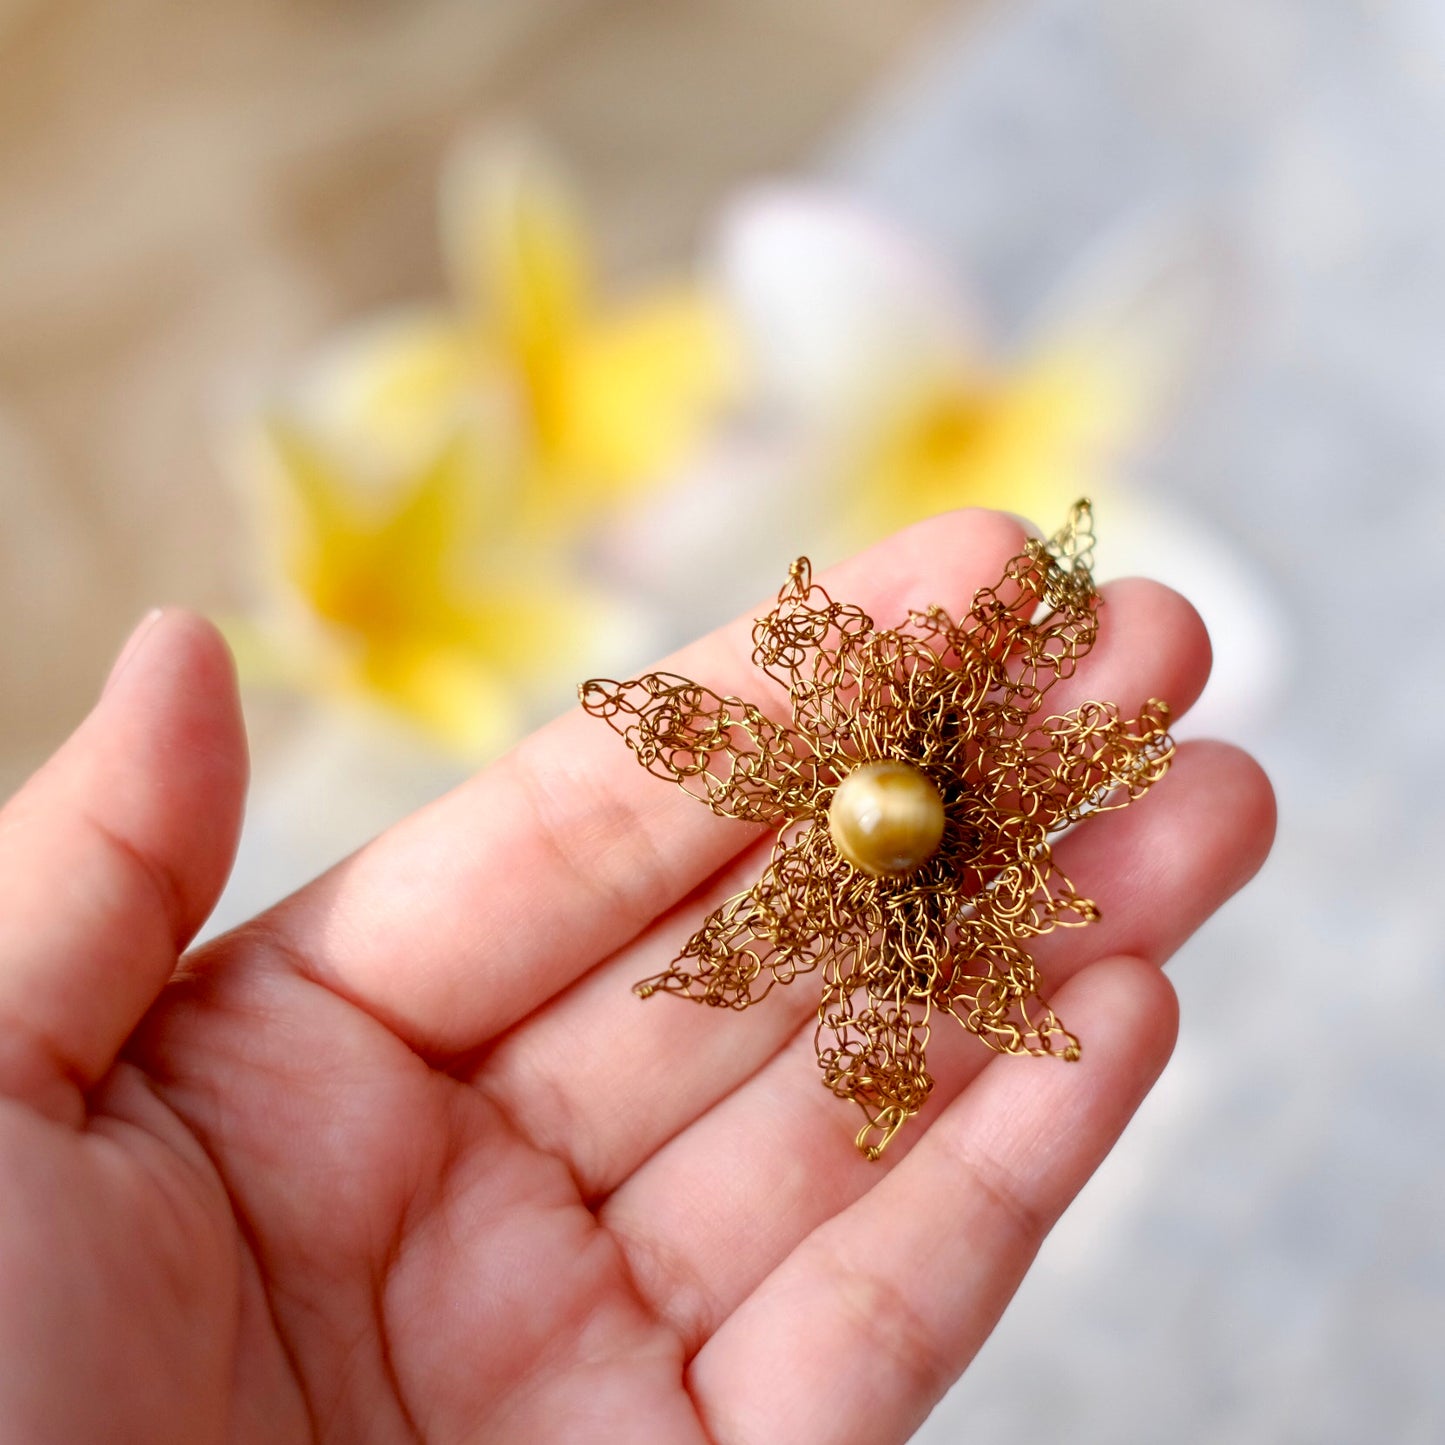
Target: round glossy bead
886,818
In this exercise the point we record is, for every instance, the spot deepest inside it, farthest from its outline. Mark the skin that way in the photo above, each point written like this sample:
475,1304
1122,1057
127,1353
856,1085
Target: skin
404,1159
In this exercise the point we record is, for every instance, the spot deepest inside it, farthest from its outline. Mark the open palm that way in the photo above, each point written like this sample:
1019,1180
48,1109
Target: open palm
403,1158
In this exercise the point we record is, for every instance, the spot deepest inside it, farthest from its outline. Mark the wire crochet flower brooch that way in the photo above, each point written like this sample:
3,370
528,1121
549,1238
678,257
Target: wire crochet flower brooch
916,791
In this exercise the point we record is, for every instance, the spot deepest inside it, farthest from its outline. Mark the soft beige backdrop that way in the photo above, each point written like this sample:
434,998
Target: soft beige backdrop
190,193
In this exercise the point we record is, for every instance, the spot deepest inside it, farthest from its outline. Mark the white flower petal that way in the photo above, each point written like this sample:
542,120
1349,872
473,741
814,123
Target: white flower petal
839,309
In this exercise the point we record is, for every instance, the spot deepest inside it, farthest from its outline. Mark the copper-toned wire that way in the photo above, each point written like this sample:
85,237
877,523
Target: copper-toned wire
963,702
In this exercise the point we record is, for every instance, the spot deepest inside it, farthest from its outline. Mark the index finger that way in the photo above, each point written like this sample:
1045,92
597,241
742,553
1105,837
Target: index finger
475,910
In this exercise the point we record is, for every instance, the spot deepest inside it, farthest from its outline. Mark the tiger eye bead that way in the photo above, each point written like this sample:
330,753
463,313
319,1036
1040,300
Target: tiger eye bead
886,818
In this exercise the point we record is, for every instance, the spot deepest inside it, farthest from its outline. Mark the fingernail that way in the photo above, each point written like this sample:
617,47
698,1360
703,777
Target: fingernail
132,646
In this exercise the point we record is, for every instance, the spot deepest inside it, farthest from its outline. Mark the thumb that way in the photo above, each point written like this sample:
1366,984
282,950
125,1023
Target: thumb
111,857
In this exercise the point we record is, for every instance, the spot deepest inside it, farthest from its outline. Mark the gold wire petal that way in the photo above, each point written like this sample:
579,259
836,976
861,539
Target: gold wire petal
769,934
720,749
959,701
872,1050
995,994
1092,761
1027,894
809,645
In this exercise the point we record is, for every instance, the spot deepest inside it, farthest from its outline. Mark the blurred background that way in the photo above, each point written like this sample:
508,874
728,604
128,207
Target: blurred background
448,353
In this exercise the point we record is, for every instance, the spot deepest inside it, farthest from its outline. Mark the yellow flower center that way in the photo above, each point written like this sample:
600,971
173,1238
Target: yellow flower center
886,818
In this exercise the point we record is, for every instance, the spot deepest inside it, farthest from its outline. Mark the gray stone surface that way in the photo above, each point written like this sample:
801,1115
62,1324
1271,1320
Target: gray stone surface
1261,1260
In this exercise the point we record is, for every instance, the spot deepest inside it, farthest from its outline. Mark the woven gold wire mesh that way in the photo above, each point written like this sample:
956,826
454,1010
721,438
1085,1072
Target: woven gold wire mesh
963,703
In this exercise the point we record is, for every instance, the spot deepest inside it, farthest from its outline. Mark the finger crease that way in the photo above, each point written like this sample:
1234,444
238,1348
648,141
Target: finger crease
576,849
877,1310
670,1290
1004,1198
162,881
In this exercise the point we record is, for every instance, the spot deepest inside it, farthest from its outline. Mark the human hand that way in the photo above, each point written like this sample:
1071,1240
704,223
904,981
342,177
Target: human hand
404,1158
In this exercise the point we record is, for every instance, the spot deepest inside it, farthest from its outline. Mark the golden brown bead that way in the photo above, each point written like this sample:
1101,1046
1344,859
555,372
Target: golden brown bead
886,818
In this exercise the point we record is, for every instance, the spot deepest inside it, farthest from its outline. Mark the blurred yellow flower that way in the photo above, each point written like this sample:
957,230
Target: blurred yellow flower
867,344
598,398
424,487
403,594
1024,440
